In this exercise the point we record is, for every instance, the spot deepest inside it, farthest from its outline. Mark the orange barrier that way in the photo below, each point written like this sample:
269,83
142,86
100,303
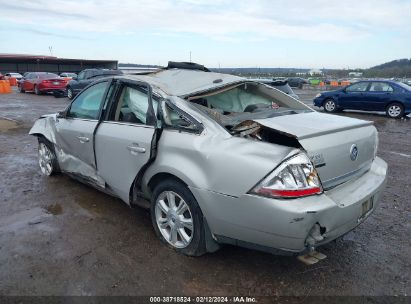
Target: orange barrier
334,83
322,84
13,81
5,87
345,83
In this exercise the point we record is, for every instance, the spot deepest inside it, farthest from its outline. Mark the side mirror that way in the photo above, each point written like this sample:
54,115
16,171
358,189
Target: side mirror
74,78
62,114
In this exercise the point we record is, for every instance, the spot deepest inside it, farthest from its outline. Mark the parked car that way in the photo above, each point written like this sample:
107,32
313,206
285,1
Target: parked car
296,82
214,162
391,97
85,77
281,85
18,76
68,76
42,83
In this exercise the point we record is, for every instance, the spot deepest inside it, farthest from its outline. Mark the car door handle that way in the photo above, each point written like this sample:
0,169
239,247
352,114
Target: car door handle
83,139
134,148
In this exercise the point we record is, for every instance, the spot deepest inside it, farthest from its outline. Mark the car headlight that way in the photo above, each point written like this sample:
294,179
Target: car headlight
294,177
318,95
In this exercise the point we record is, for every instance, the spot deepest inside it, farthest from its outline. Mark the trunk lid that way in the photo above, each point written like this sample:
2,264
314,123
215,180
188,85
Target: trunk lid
341,148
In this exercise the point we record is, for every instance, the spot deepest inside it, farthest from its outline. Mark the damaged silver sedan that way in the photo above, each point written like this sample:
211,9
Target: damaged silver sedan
218,159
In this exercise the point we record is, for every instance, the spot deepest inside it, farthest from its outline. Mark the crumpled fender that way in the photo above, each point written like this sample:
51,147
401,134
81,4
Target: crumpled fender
46,126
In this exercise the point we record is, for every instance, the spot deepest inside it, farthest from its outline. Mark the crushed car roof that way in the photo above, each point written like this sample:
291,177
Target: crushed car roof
180,82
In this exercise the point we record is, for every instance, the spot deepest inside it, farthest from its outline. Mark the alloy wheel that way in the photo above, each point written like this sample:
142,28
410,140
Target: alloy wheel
174,219
69,93
394,110
329,105
45,159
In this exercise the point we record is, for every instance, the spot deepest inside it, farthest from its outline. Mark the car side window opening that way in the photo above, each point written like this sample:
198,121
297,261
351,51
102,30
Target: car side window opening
357,87
133,105
174,119
380,87
87,104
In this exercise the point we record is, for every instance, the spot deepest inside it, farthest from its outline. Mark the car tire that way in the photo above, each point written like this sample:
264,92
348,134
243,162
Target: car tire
395,110
21,90
47,157
177,218
70,93
330,106
37,91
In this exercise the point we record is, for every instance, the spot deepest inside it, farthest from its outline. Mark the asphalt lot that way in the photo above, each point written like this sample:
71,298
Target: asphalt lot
60,237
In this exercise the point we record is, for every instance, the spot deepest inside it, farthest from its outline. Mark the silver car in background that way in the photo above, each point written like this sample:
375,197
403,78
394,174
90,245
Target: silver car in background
218,159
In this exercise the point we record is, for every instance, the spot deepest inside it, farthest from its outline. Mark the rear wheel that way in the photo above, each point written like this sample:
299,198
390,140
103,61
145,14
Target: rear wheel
47,157
395,110
177,218
330,106
21,90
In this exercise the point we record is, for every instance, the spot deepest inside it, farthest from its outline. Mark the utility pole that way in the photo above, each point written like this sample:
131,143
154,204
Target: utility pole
51,50
190,56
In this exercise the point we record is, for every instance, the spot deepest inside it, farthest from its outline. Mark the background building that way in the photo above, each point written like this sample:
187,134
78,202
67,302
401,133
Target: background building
21,63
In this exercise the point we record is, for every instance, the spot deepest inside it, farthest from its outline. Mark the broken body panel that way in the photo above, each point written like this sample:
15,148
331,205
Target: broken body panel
230,154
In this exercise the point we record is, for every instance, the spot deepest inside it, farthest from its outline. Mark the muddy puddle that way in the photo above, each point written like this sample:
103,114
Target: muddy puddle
7,124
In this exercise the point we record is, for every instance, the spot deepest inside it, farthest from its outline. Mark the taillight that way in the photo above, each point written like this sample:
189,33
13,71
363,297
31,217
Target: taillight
294,177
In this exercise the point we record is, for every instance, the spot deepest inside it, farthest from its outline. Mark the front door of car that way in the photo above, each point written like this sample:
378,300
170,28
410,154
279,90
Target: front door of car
354,96
124,137
76,129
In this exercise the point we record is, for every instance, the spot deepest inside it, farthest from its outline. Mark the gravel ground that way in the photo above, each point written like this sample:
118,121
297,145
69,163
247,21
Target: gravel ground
60,237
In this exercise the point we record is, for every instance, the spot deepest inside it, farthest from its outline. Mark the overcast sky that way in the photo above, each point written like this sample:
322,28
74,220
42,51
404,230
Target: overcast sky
229,33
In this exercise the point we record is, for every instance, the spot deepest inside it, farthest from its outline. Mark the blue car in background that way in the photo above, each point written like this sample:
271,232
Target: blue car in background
392,97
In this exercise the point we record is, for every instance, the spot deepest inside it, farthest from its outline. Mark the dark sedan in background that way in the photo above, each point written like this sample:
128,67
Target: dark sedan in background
391,97
41,83
296,82
86,77
279,84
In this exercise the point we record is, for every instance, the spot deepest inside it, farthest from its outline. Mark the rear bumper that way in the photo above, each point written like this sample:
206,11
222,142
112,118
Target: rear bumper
51,89
287,225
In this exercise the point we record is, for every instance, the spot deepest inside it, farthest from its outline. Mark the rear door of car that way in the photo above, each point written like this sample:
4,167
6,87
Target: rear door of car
354,96
123,139
379,95
76,129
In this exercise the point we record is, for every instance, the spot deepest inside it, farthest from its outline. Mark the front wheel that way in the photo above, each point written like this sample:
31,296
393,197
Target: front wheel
21,90
36,90
395,110
47,158
330,106
177,218
70,93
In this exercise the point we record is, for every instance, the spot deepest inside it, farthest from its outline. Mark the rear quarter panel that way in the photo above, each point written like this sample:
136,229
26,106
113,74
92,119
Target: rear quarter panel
230,166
